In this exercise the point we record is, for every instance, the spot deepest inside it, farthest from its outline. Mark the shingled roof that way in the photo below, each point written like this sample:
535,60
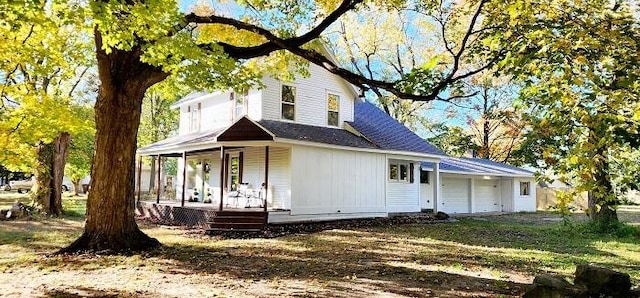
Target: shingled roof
386,132
318,134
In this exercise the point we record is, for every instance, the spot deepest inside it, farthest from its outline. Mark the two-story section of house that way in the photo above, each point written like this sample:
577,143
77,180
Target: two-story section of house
311,149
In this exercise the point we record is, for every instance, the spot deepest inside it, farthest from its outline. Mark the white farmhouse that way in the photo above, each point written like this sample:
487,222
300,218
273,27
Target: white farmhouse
313,150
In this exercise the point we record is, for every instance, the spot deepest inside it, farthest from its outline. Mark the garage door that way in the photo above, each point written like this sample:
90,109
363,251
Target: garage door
455,195
486,196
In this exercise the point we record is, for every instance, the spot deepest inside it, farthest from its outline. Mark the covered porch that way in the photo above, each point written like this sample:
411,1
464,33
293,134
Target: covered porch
222,179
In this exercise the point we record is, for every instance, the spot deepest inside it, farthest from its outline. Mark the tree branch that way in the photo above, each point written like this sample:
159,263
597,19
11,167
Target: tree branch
274,42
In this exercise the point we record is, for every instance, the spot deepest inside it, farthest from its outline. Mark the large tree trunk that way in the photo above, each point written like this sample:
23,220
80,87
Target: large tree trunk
110,223
47,191
602,201
77,190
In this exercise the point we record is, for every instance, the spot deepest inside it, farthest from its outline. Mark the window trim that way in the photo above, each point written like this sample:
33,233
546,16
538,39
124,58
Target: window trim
235,96
409,179
294,104
329,93
197,111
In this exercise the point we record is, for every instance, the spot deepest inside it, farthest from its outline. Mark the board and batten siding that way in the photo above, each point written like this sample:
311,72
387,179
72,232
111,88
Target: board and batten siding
403,196
311,98
525,203
507,194
279,196
334,181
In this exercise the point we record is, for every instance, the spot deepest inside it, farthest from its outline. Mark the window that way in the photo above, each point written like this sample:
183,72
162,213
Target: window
194,114
333,107
525,188
240,104
234,172
399,171
288,102
424,177
393,171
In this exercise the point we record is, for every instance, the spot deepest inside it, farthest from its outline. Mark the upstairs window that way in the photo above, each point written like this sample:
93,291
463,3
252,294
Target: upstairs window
194,117
240,105
333,108
288,101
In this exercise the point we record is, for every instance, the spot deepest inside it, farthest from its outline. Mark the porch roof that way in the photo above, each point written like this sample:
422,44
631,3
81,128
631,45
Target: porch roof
246,129
477,166
176,144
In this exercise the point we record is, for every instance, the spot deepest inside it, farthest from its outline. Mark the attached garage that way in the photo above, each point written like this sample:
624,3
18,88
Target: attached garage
455,195
487,195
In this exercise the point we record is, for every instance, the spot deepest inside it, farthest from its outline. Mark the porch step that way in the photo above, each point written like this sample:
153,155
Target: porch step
247,221
240,213
238,219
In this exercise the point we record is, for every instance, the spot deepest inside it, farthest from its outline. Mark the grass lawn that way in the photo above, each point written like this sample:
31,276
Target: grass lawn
492,256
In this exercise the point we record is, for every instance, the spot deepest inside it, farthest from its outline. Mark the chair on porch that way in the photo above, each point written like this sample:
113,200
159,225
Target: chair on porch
240,192
254,197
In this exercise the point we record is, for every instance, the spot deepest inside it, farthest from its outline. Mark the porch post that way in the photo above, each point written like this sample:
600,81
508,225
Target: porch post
184,176
266,176
139,184
436,186
221,176
158,184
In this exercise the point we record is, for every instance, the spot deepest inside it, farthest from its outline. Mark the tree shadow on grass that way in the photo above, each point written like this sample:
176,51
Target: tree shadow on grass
361,265
551,237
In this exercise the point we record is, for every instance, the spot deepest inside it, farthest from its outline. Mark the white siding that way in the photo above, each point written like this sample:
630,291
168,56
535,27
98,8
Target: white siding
487,195
507,194
270,99
426,192
404,196
279,196
455,195
524,203
253,172
183,125
254,105
216,112
332,181
311,98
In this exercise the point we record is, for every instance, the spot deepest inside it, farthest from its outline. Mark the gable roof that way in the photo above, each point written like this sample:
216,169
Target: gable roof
386,132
